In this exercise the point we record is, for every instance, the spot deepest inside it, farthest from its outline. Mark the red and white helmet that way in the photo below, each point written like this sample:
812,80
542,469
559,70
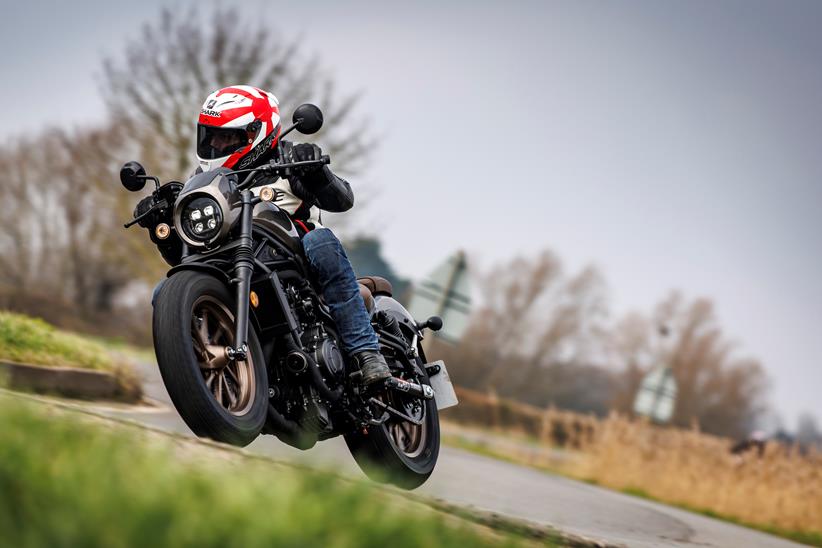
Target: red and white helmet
238,128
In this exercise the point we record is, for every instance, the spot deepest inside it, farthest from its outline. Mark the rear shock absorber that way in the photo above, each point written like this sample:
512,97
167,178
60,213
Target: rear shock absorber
390,324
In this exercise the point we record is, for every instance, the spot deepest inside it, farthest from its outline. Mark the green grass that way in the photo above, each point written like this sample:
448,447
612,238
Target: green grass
67,482
32,341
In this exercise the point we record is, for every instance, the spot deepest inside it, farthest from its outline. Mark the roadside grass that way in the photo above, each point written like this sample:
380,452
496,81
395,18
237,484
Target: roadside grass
588,473
35,342
121,347
70,482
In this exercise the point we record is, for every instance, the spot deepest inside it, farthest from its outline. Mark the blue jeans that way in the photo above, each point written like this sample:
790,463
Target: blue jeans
340,290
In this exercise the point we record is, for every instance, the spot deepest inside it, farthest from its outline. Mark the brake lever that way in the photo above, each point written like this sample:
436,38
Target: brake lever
325,159
158,205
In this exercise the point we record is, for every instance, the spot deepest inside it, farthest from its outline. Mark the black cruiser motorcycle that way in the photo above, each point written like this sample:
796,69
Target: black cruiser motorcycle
246,346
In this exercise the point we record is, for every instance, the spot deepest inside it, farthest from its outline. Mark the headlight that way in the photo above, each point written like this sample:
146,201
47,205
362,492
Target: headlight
201,219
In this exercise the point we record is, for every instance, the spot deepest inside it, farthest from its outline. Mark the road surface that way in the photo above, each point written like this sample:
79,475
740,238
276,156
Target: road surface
524,493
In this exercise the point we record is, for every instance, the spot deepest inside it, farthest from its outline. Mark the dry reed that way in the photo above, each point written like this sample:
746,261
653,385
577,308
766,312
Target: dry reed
782,488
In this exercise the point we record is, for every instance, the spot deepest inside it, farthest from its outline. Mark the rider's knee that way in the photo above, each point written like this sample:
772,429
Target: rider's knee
319,238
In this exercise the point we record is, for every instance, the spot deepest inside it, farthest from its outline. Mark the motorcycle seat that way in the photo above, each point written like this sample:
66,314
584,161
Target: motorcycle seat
377,285
367,298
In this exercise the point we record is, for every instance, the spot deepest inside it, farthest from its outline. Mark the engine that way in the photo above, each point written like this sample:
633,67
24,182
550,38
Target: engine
328,356
315,338
306,403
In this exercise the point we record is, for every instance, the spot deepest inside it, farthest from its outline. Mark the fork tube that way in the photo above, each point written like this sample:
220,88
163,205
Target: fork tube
243,268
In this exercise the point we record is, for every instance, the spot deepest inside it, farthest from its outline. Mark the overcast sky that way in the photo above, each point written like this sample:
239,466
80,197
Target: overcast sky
672,145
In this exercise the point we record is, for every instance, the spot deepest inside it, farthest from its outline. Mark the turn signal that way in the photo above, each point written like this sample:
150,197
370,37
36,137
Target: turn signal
255,300
162,231
267,194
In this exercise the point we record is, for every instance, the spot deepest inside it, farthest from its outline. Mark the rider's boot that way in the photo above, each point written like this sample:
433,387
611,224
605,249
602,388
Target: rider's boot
372,366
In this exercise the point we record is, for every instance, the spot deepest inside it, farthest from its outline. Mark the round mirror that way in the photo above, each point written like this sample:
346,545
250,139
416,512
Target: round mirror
132,175
308,118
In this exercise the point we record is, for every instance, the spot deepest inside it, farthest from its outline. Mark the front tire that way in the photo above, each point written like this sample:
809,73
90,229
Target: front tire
218,398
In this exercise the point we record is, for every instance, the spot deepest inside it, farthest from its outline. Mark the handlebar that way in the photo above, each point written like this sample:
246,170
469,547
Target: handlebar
280,169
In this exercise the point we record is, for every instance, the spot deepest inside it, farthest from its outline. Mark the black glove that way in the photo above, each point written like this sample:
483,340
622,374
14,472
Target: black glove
312,177
305,152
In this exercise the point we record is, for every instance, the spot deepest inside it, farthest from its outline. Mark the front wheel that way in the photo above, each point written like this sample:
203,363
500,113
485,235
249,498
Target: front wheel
398,451
217,397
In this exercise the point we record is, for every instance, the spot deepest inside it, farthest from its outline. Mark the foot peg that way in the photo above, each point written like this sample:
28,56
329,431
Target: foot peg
412,389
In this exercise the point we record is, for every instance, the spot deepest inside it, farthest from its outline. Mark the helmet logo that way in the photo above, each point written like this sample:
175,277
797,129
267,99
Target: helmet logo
257,151
207,111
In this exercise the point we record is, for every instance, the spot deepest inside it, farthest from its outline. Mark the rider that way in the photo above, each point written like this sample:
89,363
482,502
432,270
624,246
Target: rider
239,128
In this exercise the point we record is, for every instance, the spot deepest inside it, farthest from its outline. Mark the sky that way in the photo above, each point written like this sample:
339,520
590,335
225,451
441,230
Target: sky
672,145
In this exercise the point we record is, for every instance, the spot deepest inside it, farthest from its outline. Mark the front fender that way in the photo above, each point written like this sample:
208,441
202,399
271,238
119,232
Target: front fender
206,269
202,267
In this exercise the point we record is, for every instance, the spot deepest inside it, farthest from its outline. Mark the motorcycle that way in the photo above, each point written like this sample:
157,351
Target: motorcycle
245,344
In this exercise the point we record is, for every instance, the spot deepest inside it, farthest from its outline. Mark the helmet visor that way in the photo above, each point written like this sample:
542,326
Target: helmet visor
217,142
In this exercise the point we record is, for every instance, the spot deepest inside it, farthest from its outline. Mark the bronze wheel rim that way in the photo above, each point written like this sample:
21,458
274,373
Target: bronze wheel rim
407,437
230,382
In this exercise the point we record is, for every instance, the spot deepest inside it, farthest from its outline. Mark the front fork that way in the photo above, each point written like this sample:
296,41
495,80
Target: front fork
243,269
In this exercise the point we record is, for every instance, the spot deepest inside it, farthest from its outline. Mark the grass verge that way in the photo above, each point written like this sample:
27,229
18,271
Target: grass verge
69,482
33,341
29,340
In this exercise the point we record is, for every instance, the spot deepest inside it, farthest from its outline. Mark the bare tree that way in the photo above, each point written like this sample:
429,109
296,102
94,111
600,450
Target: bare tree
64,226
540,336
157,88
808,432
632,345
17,255
724,393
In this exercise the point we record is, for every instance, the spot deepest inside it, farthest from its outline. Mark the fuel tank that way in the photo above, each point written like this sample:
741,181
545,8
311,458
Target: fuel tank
277,222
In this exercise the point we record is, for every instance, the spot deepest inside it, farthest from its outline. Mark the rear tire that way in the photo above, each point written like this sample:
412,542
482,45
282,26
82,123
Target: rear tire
378,453
190,308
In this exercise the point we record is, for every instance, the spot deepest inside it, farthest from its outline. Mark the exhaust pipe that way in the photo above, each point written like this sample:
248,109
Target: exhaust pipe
411,388
289,431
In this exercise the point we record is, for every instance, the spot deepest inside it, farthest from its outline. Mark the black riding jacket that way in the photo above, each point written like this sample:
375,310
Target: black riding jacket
302,197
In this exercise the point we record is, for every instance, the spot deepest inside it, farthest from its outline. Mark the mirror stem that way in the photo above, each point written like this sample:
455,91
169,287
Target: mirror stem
290,129
151,178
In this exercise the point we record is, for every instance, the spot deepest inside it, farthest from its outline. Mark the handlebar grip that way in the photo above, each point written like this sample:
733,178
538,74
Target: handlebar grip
325,159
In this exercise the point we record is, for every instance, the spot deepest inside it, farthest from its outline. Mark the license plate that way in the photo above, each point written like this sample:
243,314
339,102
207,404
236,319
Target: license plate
444,393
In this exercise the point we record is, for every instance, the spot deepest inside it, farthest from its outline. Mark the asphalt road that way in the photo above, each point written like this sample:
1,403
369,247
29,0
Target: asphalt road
508,489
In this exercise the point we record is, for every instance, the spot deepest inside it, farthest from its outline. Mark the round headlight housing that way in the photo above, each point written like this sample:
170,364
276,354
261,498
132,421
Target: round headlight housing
201,218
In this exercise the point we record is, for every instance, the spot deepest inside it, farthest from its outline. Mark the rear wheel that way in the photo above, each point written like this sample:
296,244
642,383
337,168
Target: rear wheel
217,397
399,451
